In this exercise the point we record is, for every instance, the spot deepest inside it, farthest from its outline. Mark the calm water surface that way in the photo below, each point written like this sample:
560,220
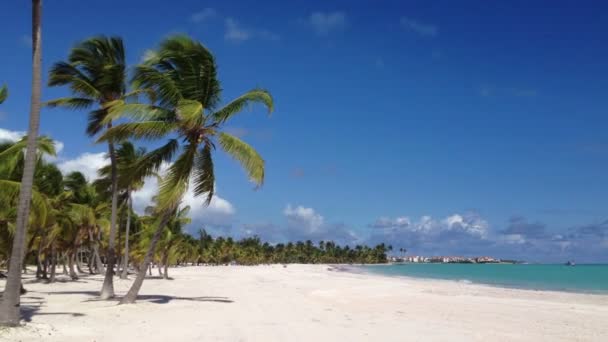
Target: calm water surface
579,278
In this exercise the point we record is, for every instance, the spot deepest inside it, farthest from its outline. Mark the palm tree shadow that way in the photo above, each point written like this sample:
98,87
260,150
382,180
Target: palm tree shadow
29,311
156,299
163,299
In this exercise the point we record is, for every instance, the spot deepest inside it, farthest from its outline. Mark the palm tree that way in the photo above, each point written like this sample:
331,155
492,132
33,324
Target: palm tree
172,236
181,75
9,308
133,165
96,74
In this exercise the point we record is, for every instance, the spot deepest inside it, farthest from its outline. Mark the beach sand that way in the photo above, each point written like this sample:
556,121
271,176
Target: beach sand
304,303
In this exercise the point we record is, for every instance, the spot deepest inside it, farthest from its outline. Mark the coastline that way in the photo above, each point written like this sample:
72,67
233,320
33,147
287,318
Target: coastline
306,303
361,269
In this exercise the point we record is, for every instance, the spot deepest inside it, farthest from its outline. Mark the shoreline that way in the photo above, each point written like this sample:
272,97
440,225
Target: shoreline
360,269
305,303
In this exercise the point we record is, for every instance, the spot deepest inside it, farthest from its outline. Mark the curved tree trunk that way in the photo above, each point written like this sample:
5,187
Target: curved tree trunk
63,258
131,296
107,290
78,261
71,259
53,264
11,299
166,270
125,258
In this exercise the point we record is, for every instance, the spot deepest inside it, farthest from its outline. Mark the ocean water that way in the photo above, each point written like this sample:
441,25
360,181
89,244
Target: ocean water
590,278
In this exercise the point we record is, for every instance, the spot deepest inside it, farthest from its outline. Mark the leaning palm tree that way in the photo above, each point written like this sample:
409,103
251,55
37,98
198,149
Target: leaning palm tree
182,81
96,74
9,307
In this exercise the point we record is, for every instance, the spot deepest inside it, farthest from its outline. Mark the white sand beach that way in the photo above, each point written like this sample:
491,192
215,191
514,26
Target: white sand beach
305,303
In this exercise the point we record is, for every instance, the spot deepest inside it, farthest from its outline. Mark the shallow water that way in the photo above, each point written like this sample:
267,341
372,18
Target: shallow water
591,278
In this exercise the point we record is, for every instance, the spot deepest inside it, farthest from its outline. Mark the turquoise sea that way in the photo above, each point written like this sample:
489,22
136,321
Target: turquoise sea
590,278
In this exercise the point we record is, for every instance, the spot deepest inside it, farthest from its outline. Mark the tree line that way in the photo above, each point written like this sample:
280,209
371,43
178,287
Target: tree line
171,98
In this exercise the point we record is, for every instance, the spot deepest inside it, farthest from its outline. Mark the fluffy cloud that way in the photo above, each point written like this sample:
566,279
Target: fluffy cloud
325,22
87,163
426,30
219,213
303,218
237,33
202,16
454,234
302,224
7,135
471,235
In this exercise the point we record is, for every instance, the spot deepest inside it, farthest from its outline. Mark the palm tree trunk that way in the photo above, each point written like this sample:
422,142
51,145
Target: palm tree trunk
166,270
78,260
125,258
131,296
98,263
11,299
71,258
107,290
53,264
65,270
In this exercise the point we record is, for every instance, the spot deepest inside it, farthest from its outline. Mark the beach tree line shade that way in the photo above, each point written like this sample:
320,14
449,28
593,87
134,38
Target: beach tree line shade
69,226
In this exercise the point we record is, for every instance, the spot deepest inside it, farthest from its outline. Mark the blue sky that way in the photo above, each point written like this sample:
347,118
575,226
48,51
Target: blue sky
476,128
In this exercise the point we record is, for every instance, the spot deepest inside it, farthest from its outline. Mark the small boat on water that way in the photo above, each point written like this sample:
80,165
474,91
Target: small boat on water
570,263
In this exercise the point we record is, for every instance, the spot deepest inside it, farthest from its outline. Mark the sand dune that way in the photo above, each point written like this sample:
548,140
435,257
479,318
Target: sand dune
305,303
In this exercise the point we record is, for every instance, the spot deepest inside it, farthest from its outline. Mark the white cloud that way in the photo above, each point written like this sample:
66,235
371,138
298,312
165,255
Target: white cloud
12,136
426,30
220,212
203,15
87,163
469,224
7,135
236,33
326,22
305,218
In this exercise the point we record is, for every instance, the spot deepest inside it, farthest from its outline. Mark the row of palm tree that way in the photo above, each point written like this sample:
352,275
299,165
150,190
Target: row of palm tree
70,225
182,91
170,100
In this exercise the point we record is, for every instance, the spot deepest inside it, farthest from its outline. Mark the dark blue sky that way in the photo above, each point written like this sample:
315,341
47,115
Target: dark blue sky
446,127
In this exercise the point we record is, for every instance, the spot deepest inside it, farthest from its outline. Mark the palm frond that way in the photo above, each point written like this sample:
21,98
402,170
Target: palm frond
203,173
190,113
175,182
44,144
249,158
150,130
70,103
238,104
136,111
3,93
66,74
151,162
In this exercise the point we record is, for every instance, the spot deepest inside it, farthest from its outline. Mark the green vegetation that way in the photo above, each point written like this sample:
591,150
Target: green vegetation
173,98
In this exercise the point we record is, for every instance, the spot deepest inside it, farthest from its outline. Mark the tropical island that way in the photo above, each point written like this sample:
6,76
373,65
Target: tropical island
82,260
